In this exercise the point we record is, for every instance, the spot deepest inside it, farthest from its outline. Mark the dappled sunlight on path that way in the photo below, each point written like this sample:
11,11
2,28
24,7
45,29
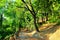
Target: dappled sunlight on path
50,32
55,36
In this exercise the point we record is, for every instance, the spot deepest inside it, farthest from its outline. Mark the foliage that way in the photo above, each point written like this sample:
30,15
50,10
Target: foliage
14,14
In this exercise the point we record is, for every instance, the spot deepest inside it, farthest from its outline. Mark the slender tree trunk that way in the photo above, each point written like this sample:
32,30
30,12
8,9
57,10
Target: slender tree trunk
1,20
46,16
42,19
35,23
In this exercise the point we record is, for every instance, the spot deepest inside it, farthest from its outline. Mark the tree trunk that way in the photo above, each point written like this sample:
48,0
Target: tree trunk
42,19
1,20
35,23
46,16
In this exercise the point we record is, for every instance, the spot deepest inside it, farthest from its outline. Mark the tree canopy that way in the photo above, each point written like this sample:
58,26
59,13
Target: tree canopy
30,14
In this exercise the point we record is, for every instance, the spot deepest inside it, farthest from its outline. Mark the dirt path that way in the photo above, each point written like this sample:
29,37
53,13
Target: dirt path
55,35
50,32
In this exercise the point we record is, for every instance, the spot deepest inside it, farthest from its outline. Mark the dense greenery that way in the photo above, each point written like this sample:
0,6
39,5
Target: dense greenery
16,14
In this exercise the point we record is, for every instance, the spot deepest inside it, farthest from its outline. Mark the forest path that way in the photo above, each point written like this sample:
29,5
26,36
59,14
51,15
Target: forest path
48,31
55,35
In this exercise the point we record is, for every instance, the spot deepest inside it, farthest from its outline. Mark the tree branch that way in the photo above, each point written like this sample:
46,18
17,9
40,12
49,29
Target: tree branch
27,7
32,7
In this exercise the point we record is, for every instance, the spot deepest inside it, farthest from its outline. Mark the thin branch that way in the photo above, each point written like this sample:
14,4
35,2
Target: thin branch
32,7
27,7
